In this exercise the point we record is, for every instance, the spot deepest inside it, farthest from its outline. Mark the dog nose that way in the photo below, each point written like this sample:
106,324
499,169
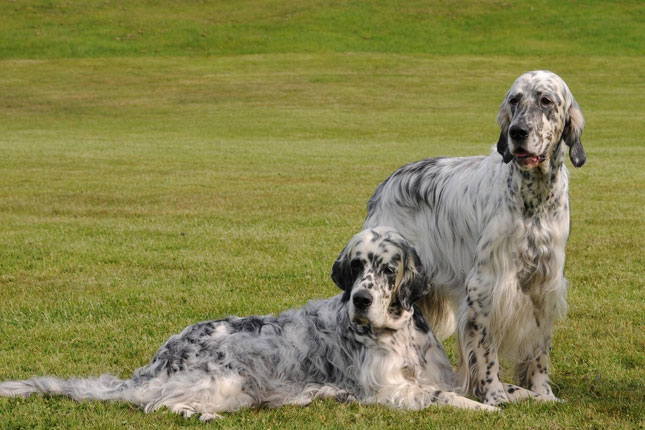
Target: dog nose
518,132
362,300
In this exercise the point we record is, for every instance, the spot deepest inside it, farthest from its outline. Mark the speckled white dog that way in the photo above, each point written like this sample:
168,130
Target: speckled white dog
491,232
369,344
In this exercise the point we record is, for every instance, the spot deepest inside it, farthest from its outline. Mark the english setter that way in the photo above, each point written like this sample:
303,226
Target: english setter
369,343
491,231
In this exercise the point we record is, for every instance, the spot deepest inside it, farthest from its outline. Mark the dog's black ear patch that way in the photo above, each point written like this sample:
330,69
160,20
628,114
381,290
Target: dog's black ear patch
412,290
414,285
341,274
502,143
502,147
571,135
577,154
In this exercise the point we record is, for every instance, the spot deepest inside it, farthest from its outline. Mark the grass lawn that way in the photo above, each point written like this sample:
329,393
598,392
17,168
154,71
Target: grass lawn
145,191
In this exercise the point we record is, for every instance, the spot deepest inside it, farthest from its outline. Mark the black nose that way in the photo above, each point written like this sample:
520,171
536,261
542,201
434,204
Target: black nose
518,132
362,300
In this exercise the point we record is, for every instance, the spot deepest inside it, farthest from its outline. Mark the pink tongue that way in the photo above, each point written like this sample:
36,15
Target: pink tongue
525,156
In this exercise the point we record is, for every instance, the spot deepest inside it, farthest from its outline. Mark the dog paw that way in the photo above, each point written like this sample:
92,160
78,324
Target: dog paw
496,398
209,417
547,398
345,397
489,408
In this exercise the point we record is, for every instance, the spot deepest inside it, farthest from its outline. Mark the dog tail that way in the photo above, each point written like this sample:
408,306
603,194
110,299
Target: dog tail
105,387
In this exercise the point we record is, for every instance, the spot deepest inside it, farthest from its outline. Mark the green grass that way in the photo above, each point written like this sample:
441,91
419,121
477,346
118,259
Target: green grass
141,193
63,28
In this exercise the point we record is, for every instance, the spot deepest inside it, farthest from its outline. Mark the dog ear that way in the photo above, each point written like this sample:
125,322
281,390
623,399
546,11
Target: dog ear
502,143
571,134
414,284
341,273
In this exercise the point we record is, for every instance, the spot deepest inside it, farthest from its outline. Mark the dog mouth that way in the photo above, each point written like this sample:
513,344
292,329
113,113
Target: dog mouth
524,159
360,320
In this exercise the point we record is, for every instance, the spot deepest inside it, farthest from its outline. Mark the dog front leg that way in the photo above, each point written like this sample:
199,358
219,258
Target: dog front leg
534,375
479,363
410,396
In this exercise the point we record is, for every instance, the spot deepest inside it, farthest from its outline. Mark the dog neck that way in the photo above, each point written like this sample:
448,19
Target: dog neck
538,191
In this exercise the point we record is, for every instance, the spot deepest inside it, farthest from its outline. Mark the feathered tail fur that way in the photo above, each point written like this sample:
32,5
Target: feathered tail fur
105,387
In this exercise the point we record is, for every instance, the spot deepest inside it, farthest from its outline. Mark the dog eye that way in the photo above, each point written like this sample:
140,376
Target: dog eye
545,101
513,100
389,271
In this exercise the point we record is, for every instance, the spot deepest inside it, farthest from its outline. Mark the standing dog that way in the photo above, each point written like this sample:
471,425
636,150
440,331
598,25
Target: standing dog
493,230
369,343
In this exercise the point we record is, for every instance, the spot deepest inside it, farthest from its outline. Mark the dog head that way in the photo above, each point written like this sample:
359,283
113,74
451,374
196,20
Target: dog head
381,276
538,113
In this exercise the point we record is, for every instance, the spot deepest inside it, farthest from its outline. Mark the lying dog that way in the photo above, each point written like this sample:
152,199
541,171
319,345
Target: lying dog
369,344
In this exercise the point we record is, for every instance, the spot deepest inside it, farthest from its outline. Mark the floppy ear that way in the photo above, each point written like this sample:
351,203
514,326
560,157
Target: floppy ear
502,144
571,134
414,284
341,274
